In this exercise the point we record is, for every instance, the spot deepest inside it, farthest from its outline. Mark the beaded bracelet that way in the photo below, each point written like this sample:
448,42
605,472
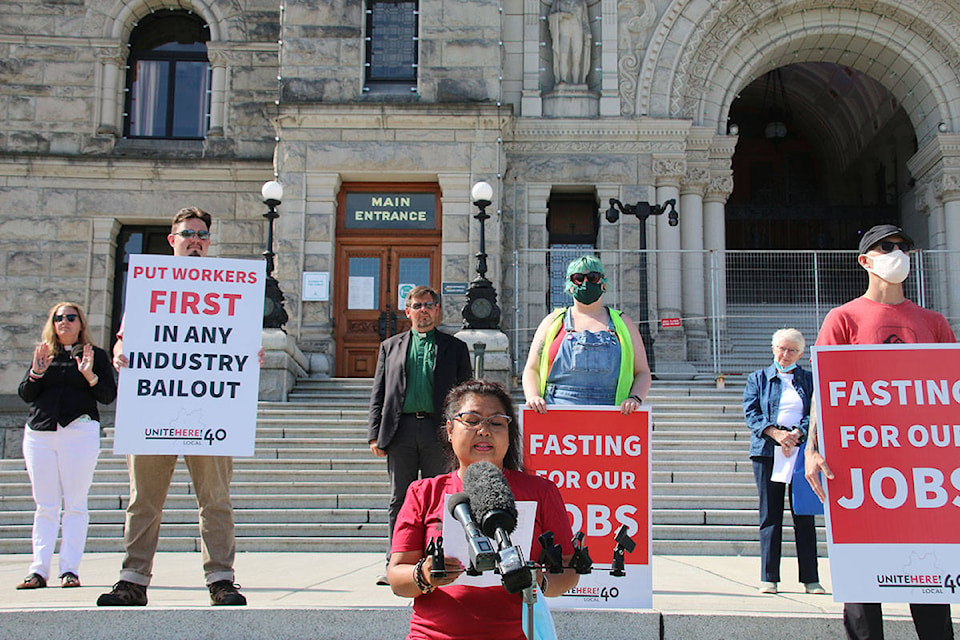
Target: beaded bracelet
422,584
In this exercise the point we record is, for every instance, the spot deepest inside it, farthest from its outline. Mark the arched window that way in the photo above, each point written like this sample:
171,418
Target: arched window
168,78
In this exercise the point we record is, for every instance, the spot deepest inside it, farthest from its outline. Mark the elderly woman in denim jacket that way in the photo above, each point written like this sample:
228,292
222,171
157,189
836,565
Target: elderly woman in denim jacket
776,406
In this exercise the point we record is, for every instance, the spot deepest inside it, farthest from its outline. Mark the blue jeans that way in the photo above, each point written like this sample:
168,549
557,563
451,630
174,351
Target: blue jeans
771,527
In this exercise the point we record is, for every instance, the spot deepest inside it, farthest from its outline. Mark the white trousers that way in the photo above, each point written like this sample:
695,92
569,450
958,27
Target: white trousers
61,464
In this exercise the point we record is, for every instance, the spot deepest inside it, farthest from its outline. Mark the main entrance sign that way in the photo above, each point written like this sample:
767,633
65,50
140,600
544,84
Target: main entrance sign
390,210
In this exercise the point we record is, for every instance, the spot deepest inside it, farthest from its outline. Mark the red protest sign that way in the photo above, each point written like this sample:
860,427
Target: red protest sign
889,419
600,460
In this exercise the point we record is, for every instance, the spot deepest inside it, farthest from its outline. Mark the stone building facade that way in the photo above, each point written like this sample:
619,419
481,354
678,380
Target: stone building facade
358,106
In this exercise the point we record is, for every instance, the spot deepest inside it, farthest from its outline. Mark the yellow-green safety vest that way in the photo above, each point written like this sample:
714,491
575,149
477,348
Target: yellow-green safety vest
624,381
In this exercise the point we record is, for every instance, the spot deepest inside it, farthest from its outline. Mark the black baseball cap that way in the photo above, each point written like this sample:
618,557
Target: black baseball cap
881,232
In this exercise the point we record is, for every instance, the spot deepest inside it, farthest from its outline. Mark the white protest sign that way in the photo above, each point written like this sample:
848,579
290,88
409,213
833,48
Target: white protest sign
191,331
888,430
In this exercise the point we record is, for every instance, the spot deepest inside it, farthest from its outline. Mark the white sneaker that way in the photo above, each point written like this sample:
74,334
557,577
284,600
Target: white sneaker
768,587
815,588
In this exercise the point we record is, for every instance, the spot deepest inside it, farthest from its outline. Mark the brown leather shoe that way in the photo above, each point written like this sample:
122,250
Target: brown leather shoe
33,581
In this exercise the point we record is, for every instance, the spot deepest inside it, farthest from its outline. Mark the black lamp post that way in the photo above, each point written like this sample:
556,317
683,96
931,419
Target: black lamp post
481,310
643,210
274,315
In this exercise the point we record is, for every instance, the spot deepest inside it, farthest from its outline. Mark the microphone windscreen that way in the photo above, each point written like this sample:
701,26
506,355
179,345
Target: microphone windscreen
456,500
488,491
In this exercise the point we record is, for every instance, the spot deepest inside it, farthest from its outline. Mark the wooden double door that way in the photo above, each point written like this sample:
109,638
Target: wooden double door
369,295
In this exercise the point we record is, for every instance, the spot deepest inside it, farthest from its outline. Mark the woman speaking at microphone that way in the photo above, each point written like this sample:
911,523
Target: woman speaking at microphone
481,425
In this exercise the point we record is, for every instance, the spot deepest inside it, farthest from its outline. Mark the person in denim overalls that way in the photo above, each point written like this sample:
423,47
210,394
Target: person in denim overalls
586,354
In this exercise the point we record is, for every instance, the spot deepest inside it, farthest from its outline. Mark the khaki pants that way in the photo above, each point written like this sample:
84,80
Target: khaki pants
150,477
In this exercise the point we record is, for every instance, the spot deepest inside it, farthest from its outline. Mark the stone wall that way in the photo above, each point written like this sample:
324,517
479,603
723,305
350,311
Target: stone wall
68,184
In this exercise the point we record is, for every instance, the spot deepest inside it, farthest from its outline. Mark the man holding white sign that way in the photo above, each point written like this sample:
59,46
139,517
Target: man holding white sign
180,361
883,315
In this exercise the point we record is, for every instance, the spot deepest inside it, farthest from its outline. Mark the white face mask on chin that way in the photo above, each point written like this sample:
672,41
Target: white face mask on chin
893,267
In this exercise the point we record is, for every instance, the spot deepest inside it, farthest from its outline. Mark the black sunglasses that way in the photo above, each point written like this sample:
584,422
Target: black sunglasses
593,277
190,233
416,306
886,246
69,317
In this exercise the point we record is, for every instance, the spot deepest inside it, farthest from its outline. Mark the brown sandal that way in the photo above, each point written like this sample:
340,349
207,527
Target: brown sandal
69,580
33,581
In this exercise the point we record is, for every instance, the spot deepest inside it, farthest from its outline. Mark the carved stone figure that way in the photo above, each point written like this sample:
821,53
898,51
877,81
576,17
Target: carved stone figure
570,31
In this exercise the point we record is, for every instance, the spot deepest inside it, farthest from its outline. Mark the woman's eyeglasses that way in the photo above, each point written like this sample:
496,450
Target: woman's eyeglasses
69,317
886,246
497,423
593,277
190,233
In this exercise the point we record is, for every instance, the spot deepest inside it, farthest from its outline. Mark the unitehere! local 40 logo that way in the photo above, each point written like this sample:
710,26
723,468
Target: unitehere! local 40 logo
921,575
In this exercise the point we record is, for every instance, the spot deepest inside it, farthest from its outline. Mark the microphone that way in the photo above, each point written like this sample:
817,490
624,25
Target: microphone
492,501
483,557
490,498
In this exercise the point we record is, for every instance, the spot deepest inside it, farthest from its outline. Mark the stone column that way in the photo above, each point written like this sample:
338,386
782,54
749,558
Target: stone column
609,57
111,60
937,192
103,251
951,219
534,279
692,259
318,228
218,84
534,31
670,344
718,190
950,265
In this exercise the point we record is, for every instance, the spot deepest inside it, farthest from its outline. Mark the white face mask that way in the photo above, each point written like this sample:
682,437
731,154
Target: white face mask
892,267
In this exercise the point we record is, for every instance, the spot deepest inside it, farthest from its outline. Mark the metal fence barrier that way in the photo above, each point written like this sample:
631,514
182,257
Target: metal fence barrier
747,295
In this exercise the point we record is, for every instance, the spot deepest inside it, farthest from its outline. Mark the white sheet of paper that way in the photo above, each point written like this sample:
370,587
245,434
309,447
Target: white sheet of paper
782,465
455,542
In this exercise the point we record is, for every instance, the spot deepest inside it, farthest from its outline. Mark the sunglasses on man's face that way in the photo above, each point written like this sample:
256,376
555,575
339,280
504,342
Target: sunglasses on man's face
593,277
886,246
416,306
187,234
69,317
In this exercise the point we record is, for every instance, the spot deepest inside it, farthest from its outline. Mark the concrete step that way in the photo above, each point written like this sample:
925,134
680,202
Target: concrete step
312,484
280,502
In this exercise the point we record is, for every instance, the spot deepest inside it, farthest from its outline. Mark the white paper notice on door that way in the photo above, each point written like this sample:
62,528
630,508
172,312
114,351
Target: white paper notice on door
361,292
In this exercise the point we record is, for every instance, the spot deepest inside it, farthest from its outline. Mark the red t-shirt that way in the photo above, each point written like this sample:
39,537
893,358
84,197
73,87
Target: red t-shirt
864,321
457,612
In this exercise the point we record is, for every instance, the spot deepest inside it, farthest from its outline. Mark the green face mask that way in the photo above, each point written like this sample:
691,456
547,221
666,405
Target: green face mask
588,292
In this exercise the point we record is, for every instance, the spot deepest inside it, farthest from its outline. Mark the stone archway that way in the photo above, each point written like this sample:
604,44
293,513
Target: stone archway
702,55
908,48
727,44
115,28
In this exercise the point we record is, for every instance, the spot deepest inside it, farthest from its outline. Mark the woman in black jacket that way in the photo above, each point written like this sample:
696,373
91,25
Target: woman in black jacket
61,442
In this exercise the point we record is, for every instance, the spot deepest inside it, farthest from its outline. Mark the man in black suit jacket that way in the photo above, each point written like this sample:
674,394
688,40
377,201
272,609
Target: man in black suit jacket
415,371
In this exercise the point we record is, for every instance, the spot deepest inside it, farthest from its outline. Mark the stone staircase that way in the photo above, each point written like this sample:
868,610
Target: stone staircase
313,485
746,343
